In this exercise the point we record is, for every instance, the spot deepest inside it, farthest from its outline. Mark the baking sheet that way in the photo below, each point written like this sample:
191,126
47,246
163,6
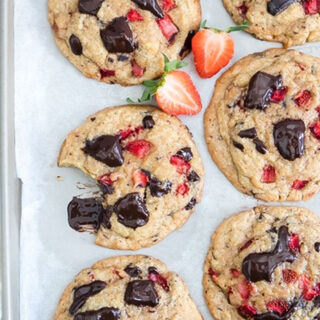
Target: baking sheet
52,98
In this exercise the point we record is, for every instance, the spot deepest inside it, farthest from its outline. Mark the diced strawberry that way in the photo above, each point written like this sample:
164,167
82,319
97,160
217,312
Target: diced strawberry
168,5
279,94
134,15
139,178
278,306
303,98
168,28
182,189
294,244
246,245
139,148
124,134
311,6
137,71
235,273
289,276
315,130
229,291
309,292
247,310
182,165
318,110
104,73
243,9
244,289
159,279
299,184
213,274
91,276
269,174
105,179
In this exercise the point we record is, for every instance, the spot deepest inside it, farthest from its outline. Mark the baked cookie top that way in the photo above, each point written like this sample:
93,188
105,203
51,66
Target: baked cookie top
149,171
127,287
262,126
291,22
123,41
264,264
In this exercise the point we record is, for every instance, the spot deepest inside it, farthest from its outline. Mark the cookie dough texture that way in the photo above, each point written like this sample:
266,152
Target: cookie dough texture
224,119
257,228
66,20
174,304
168,135
292,27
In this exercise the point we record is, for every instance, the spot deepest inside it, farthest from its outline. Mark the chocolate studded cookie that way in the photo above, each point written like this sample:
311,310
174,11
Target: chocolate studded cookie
264,264
292,22
127,287
123,41
149,171
262,126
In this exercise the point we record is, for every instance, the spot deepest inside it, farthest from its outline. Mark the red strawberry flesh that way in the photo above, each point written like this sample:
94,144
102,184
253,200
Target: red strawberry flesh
315,130
134,15
167,27
168,5
269,174
139,148
247,310
303,98
159,279
182,165
140,179
294,244
137,71
289,276
278,306
244,289
279,94
104,73
299,184
182,189
311,6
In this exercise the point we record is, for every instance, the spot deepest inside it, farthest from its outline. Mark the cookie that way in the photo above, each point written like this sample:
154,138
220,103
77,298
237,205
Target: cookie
123,41
127,287
149,171
291,22
262,126
264,264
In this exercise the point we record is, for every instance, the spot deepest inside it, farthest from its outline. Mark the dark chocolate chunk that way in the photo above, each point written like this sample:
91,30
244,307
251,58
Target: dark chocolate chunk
132,271
193,176
185,153
187,44
106,149
317,246
191,204
148,122
260,90
277,6
81,294
75,45
131,211
106,188
260,146
238,145
260,266
105,219
122,57
90,6
117,36
316,301
141,293
150,5
159,189
289,138
101,314
248,133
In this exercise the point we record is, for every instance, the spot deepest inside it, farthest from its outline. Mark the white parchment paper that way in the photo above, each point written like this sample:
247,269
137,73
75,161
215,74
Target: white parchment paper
52,98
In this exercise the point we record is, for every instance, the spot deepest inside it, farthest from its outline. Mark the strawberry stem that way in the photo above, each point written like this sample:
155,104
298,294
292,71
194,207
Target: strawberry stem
243,26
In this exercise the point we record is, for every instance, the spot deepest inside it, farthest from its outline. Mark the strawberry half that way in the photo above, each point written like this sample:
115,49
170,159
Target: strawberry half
139,148
278,306
134,15
139,178
168,28
289,276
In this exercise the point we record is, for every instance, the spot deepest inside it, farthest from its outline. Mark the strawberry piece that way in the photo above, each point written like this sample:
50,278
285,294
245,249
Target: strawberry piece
318,110
246,245
213,274
182,165
104,73
139,178
178,95
315,130
269,174
139,148
299,184
279,94
235,273
168,28
243,9
294,244
105,179
308,291
311,6
289,276
212,51
137,71
124,134
278,306
156,277
247,310
134,15
91,276
182,189
168,5
303,98
244,289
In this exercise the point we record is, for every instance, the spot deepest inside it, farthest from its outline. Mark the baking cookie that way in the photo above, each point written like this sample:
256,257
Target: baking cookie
127,287
291,22
123,41
264,264
262,126
148,168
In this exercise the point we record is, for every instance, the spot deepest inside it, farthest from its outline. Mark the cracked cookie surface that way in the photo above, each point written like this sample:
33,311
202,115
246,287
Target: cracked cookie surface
262,126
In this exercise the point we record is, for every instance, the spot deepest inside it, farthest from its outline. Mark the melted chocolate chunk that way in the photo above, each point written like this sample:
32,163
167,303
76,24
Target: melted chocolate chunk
191,204
106,149
122,57
106,188
101,314
90,6
277,6
193,176
81,294
132,271
148,122
260,146
317,246
131,211
260,266
260,90
118,37
316,301
159,189
150,5
248,133
75,45
85,214
238,145
141,293
289,138
187,44
185,153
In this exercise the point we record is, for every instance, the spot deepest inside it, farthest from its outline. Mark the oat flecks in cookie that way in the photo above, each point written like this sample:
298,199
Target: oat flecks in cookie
148,169
122,288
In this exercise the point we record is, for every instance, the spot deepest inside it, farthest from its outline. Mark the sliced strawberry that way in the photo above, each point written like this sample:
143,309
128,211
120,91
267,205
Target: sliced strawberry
303,98
315,130
133,15
178,95
289,276
243,9
168,5
139,148
235,273
269,174
311,6
104,73
294,244
299,184
158,278
279,94
244,289
182,165
213,274
137,71
168,28
182,189
139,178
247,310
246,245
278,306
